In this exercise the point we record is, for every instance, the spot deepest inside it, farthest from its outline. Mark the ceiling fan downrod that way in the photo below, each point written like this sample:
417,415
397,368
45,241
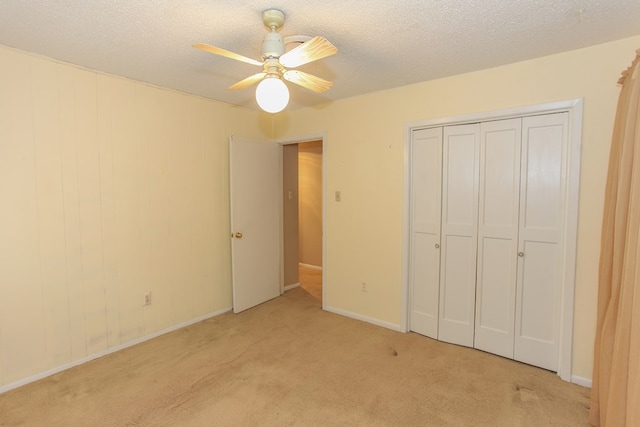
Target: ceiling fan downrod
272,44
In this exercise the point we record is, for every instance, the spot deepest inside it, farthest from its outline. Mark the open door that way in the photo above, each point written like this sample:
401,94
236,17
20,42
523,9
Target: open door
255,193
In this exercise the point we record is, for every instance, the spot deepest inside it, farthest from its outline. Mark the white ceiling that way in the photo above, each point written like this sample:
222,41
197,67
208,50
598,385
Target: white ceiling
382,44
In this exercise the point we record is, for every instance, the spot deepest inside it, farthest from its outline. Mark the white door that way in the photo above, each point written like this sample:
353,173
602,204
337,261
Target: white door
459,234
498,208
255,194
424,269
542,204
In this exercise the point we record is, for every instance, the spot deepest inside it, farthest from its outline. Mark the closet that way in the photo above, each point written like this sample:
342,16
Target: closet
487,208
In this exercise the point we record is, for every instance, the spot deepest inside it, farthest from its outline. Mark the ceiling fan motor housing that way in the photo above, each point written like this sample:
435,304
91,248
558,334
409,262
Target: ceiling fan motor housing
272,45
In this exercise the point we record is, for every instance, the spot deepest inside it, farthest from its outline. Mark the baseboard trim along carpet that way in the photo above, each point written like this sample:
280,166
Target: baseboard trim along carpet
91,357
371,320
584,382
313,267
289,287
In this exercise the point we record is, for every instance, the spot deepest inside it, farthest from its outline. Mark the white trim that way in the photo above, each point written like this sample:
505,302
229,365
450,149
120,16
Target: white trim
553,107
283,288
584,382
324,219
406,224
570,241
575,108
304,138
58,369
362,318
321,136
289,287
310,266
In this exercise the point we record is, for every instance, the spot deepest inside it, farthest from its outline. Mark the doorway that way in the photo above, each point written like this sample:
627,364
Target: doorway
303,216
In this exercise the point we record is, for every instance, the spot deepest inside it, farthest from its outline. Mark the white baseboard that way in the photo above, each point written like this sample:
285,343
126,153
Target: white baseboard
584,382
289,287
313,267
91,357
371,320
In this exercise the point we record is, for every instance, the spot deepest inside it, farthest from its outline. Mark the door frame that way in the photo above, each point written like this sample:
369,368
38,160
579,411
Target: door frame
321,136
575,109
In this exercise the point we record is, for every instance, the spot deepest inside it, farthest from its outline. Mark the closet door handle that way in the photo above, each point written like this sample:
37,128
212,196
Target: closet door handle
437,245
520,254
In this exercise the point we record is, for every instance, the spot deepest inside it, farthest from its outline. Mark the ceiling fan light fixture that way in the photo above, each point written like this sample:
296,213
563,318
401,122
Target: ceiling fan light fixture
272,94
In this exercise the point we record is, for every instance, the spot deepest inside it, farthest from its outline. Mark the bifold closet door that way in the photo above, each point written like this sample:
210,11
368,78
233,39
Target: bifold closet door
459,233
499,198
424,268
542,204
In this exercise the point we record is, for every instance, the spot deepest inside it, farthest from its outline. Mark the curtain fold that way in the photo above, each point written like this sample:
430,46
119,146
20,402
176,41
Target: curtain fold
615,393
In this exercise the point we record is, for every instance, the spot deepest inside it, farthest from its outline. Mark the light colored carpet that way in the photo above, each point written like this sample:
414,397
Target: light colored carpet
287,362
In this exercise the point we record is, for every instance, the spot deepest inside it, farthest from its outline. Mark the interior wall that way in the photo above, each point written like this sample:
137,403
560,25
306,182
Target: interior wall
310,202
290,213
109,189
365,161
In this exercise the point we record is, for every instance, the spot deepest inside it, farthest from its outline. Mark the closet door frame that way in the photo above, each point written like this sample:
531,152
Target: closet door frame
574,107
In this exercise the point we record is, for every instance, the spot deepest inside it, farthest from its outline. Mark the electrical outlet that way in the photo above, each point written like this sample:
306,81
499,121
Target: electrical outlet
147,299
364,287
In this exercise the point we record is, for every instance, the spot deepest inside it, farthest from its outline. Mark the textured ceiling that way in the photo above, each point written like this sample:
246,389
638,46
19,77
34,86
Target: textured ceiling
382,44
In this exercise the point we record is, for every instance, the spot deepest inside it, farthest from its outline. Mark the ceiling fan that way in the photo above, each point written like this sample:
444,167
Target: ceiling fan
277,63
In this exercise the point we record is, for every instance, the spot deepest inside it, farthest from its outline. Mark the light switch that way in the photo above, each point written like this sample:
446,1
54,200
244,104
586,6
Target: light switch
338,196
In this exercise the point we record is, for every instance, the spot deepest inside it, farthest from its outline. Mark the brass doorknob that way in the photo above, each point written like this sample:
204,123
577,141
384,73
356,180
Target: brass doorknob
437,245
520,254
238,235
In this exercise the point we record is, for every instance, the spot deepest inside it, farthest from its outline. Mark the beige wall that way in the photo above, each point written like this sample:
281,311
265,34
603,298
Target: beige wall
108,189
310,203
364,155
290,213
111,188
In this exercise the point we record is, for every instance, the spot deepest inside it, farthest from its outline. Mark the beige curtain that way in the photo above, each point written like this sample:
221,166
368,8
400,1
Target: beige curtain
615,395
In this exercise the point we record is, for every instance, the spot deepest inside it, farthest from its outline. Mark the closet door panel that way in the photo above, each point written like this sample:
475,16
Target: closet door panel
459,233
538,294
543,186
424,288
459,268
425,196
498,235
494,314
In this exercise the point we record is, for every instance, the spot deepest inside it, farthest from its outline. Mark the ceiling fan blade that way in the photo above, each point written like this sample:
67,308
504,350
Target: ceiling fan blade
248,81
226,53
316,48
308,81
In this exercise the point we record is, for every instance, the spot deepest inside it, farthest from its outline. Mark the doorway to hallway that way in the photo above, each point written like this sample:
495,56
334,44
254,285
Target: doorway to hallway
303,214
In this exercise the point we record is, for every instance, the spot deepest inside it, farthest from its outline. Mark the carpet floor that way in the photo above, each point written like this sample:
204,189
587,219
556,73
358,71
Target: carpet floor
288,363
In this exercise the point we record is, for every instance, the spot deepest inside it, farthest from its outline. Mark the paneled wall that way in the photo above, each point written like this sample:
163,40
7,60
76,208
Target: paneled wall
109,189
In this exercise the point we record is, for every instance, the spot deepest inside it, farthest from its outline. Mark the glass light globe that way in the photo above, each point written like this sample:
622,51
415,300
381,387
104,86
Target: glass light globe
272,95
